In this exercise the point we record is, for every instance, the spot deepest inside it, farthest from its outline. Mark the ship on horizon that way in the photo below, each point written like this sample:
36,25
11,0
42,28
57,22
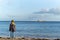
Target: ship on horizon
40,21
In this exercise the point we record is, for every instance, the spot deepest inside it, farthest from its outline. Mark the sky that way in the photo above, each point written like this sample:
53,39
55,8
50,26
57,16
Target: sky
30,10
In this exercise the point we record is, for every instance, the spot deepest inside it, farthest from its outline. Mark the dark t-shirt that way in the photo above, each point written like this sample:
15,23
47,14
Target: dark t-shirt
12,28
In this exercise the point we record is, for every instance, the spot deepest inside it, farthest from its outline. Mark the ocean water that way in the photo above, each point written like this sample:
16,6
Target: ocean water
50,29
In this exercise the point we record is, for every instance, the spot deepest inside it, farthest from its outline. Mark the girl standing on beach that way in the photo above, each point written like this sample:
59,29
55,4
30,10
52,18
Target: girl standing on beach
12,29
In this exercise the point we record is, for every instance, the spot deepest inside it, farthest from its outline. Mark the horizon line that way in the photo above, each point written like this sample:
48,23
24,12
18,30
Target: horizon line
41,21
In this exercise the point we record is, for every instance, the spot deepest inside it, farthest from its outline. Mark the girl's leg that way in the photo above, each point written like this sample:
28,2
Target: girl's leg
12,34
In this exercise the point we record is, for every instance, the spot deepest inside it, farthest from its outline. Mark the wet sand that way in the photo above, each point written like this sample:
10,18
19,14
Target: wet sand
1,38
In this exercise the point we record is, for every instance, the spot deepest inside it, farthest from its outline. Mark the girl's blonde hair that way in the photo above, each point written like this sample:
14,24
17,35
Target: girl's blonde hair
12,22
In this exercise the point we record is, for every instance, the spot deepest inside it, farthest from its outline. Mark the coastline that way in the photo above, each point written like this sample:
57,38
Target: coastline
23,38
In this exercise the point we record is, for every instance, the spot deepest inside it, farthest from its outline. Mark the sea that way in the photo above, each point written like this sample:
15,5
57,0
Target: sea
33,29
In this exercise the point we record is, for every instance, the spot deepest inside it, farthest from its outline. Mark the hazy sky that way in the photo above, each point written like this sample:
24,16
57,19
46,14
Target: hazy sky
28,10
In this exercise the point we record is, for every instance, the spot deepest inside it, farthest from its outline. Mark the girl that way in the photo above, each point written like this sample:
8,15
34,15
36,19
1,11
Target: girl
12,28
